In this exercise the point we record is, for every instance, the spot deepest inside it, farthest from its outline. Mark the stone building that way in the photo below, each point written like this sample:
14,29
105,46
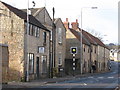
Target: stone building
4,63
57,51
115,54
97,53
60,45
28,50
73,40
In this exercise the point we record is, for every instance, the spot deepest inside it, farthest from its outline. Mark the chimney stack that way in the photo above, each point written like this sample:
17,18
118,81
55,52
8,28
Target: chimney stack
75,25
66,24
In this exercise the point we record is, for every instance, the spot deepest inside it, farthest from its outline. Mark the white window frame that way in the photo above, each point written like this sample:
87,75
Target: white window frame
44,58
41,49
31,62
60,35
59,58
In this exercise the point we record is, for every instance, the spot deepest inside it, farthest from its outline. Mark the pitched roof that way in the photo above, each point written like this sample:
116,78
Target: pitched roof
78,36
56,20
88,36
94,40
34,10
23,15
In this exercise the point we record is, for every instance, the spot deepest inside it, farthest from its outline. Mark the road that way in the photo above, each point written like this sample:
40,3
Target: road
103,81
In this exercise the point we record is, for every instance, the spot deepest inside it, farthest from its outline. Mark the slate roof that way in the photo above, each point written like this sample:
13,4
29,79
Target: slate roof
88,38
33,10
23,15
78,36
93,40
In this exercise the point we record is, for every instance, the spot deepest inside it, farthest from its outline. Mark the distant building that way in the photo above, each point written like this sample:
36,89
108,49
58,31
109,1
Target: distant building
115,54
94,52
73,39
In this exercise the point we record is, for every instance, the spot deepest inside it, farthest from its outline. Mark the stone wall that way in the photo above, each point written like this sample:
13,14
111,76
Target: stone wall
4,57
31,46
12,29
86,58
101,59
72,41
60,47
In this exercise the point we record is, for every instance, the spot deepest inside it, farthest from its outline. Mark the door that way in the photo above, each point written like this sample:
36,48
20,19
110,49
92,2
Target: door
37,67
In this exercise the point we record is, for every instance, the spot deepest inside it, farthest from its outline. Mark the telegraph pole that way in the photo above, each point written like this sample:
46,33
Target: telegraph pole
53,46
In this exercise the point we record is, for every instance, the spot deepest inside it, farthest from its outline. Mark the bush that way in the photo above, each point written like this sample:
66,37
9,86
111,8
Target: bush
55,72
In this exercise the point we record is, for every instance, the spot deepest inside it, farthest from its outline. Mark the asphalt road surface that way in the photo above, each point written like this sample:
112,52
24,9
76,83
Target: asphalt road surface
103,81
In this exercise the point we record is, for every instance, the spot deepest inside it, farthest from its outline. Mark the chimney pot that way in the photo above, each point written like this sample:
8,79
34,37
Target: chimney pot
66,19
76,20
66,24
75,25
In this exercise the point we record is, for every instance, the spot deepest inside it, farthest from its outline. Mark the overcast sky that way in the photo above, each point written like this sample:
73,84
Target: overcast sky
103,20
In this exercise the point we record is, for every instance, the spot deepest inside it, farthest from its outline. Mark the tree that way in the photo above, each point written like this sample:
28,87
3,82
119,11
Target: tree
95,33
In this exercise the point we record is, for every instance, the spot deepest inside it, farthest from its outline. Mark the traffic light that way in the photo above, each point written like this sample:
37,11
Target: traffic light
73,50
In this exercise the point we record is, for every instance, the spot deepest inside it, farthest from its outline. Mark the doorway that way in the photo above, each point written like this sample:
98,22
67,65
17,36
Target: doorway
37,67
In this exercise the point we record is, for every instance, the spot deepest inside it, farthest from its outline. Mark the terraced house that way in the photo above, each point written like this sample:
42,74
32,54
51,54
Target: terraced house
94,52
57,40
28,50
73,40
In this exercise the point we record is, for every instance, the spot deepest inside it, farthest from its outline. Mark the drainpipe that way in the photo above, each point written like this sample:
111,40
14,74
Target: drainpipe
104,59
50,64
90,58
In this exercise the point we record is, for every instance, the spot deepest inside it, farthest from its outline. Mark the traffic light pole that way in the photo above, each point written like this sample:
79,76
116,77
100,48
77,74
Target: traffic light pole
73,51
73,64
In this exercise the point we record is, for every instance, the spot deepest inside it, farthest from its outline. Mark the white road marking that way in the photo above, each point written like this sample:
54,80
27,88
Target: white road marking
85,84
100,77
90,77
110,77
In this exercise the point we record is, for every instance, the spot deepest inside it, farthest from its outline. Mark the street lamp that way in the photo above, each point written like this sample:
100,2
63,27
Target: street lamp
27,71
81,37
27,66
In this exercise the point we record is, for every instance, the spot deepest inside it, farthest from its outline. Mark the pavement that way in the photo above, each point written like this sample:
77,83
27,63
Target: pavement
41,82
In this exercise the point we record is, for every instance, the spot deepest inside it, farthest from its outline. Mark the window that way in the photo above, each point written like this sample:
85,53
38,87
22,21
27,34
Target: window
88,50
91,48
37,32
95,49
33,30
51,35
84,49
60,59
30,29
41,49
31,62
59,35
44,64
44,37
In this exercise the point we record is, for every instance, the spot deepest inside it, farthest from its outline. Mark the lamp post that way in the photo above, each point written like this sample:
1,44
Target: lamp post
81,58
27,66
27,47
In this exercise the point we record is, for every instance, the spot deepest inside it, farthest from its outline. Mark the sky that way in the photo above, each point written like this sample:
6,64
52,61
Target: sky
103,20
